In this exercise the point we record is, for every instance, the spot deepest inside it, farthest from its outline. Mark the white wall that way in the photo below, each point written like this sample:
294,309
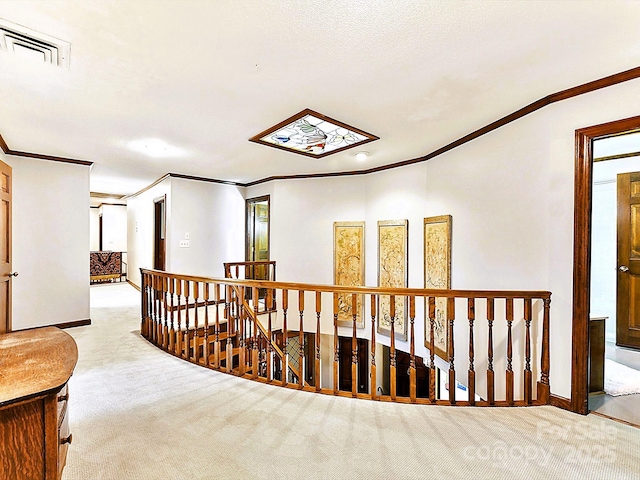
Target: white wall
213,216
50,242
140,227
114,227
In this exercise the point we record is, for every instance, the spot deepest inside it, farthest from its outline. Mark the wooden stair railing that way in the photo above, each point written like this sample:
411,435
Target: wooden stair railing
265,333
215,323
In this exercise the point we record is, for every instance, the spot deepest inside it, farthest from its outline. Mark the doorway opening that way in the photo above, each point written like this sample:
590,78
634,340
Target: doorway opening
257,244
160,232
614,319
100,226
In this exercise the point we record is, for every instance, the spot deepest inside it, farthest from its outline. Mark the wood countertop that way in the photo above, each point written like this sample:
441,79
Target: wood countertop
34,362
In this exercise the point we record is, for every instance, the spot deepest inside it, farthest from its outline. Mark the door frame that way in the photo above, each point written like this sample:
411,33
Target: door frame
162,230
584,138
100,232
248,202
8,193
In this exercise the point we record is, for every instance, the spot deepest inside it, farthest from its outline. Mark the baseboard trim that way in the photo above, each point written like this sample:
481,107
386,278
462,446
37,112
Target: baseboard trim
77,323
619,420
560,402
134,285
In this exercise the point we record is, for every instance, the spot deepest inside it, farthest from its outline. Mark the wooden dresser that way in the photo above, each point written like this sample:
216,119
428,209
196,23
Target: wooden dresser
35,366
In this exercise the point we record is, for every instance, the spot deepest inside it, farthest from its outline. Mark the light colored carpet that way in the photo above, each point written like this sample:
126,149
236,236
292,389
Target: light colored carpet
620,379
139,413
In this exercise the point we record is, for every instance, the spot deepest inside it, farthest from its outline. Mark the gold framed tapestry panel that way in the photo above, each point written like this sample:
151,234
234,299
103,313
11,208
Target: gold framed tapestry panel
393,236
348,269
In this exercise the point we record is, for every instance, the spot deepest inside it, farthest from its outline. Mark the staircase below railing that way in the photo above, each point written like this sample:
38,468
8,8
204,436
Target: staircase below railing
234,326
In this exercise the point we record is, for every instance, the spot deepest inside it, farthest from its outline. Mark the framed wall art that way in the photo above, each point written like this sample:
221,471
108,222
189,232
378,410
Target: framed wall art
393,273
437,275
348,268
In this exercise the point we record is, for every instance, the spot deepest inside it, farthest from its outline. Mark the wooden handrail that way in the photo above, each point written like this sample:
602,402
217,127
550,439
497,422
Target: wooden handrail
178,313
400,292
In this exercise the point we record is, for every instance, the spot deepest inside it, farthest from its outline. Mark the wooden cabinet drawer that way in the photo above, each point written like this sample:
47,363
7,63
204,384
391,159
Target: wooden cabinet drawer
64,440
63,398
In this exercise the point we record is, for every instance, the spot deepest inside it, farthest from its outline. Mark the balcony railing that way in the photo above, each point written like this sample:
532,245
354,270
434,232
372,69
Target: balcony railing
334,339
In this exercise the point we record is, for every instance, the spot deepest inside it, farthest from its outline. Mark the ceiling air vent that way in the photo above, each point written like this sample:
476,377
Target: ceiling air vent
33,45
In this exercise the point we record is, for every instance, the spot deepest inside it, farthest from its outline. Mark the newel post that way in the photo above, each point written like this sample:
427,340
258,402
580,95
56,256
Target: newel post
543,384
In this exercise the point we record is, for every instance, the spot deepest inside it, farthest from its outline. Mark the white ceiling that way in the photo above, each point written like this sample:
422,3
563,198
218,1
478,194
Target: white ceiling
205,76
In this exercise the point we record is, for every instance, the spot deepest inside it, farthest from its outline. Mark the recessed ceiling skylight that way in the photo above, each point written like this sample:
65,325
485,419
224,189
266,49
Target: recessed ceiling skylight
156,148
313,134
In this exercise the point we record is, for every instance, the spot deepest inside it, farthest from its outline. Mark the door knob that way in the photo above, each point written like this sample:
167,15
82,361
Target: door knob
13,274
623,268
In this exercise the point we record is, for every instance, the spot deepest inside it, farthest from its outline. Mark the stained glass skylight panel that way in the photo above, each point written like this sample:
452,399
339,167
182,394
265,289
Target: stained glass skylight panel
313,134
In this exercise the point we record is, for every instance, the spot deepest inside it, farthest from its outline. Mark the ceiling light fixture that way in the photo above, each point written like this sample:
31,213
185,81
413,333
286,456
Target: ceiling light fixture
362,156
155,148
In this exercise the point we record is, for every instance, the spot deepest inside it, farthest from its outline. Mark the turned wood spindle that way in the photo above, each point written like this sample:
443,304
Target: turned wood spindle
178,345
392,347
354,346
374,393
165,329
432,355
228,306
543,385
269,348
172,331
471,387
196,296
451,316
509,372
336,344
285,337
242,352
301,339
528,384
317,375
154,311
254,346
205,348
490,373
412,360
216,345
186,342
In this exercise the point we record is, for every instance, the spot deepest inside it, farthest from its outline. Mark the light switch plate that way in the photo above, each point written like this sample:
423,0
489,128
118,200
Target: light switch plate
184,243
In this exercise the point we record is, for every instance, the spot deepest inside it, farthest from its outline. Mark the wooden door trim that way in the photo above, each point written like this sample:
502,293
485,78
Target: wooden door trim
263,198
582,253
8,195
163,231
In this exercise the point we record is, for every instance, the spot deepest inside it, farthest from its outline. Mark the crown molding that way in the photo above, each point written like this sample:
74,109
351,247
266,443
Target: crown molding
39,156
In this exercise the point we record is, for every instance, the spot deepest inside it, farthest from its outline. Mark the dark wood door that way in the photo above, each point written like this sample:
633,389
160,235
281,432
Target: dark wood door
5,247
403,376
160,230
344,371
628,285
310,358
